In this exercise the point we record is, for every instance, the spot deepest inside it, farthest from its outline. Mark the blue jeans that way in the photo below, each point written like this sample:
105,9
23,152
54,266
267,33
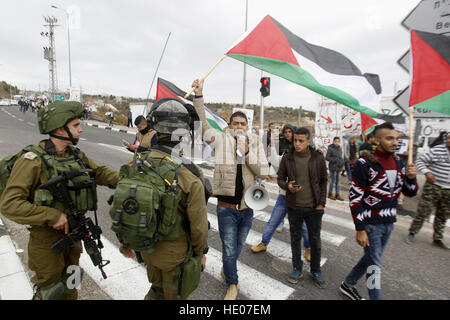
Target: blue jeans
278,213
234,226
348,169
335,178
370,263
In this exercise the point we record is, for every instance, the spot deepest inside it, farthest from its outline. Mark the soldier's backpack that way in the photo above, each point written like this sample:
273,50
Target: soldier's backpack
7,163
148,204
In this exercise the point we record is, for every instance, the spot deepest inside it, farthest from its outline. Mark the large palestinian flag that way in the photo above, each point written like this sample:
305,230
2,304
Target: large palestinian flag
430,72
273,48
166,89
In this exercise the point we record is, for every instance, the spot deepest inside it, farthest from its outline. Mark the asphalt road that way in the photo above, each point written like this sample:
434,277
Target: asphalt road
417,271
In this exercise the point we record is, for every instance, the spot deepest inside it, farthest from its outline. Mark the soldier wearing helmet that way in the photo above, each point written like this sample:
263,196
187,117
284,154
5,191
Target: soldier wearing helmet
23,202
171,120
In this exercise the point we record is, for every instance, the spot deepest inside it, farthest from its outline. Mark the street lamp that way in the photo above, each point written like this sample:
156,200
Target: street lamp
68,41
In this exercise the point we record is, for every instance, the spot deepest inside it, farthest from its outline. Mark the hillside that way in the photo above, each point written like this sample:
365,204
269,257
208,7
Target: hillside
278,115
6,89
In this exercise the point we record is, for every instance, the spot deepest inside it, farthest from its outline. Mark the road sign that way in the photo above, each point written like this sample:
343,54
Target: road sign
429,16
60,97
402,101
405,60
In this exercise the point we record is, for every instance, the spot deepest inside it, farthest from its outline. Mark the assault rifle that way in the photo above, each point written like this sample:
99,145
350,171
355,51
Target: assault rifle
80,226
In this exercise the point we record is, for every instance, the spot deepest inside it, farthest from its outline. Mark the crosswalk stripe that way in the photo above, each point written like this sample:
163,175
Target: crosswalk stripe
127,279
253,284
326,236
277,248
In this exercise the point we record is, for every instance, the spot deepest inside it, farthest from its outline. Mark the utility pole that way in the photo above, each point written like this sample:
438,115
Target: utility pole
245,65
68,41
49,54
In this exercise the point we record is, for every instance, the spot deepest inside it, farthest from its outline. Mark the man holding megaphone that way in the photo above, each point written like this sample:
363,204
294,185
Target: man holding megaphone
240,157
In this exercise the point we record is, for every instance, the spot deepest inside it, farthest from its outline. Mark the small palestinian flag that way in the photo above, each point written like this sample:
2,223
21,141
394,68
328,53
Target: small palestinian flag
430,72
273,48
166,89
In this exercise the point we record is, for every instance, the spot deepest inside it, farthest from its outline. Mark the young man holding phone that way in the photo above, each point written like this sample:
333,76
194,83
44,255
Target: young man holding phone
303,174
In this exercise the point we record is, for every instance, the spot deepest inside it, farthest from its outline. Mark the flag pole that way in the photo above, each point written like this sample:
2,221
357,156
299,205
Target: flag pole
411,135
205,76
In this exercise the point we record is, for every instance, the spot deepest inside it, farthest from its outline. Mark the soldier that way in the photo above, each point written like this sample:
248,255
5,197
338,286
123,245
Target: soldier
435,165
163,264
24,203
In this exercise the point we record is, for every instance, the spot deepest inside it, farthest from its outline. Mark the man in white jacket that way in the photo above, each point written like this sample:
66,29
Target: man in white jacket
240,157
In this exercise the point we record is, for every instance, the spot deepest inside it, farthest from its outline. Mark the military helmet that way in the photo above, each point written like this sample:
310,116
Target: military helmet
169,114
57,114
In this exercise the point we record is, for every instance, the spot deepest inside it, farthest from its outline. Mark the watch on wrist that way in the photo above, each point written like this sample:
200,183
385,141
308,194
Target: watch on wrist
205,251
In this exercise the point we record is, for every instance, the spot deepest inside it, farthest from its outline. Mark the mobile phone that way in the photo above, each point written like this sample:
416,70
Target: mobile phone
296,185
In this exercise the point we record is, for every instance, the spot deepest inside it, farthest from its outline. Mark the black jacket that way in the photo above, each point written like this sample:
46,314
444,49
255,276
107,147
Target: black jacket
317,174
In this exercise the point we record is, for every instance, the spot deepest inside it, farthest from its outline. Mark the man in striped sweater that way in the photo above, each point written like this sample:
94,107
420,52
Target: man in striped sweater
377,181
435,165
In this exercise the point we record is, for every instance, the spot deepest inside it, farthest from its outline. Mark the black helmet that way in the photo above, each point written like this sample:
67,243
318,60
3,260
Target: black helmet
169,114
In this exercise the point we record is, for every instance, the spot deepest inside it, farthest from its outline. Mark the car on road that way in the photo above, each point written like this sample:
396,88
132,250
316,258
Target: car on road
4,102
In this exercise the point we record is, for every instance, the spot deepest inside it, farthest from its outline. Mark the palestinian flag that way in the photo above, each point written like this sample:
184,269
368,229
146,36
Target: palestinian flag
430,72
166,89
273,48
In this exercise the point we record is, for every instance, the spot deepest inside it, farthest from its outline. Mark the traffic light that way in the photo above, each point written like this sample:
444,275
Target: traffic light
265,86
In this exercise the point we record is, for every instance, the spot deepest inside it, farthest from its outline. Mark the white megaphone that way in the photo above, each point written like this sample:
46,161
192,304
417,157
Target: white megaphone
256,197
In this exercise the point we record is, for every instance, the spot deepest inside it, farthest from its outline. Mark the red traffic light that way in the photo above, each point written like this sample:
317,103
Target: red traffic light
265,86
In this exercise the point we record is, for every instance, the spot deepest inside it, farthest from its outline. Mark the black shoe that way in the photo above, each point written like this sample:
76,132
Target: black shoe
352,293
318,279
440,244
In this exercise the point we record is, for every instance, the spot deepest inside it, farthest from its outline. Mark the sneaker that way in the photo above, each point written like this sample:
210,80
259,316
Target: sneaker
318,280
440,244
308,254
296,275
259,248
409,239
232,292
331,196
280,227
338,197
352,293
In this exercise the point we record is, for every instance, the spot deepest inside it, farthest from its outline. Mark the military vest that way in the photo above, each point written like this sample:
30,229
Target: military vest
148,204
82,189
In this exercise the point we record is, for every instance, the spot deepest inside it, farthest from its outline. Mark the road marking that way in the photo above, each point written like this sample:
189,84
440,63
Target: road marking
277,248
253,284
118,148
127,279
31,124
326,236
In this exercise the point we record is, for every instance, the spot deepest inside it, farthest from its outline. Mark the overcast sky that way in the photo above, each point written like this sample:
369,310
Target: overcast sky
116,45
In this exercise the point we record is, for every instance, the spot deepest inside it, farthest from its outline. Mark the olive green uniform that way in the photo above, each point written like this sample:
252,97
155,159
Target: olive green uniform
163,264
17,204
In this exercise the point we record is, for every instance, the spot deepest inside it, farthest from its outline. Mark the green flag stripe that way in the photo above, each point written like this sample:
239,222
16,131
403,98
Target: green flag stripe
300,76
439,103
214,125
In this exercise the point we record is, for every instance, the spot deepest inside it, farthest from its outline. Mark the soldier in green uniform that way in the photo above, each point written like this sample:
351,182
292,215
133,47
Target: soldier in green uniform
163,265
23,202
